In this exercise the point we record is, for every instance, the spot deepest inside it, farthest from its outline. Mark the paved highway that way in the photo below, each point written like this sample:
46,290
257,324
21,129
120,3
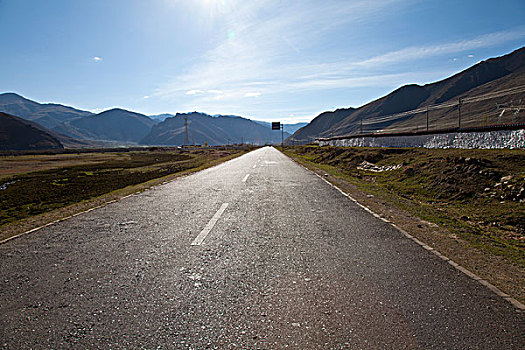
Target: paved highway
254,253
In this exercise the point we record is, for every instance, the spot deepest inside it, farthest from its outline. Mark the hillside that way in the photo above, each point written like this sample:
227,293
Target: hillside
319,125
19,134
49,115
73,124
218,130
115,125
75,128
487,76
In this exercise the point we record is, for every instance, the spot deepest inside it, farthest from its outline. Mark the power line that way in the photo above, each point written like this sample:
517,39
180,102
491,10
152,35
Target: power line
450,104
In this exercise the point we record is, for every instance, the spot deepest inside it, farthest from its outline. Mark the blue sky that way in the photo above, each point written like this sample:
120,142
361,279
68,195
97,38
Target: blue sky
264,59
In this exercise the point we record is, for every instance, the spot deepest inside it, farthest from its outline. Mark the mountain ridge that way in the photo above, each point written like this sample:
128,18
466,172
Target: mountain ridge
213,130
80,128
116,124
48,115
507,70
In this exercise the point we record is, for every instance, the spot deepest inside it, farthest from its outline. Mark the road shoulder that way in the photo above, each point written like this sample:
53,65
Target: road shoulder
496,270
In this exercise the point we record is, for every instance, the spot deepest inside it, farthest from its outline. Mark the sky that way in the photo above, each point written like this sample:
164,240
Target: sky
273,60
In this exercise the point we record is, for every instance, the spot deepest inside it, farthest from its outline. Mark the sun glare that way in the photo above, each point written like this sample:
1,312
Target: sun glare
220,6
214,2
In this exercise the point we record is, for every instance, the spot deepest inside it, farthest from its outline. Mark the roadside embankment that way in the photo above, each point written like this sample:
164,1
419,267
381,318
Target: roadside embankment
468,204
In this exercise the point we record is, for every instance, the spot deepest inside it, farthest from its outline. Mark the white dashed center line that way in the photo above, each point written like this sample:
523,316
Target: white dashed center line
246,178
204,233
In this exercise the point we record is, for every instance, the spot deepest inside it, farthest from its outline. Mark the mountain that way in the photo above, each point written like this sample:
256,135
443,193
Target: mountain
19,134
319,125
291,128
73,125
494,74
113,125
49,115
288,128
215,130
75,128
161,117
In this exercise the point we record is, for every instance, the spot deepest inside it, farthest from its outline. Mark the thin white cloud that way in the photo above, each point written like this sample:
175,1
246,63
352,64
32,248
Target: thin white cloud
269,77
194,92
98,110
261,43
97,59
421,52
265,59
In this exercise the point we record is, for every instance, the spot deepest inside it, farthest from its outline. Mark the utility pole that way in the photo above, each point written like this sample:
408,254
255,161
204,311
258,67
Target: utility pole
361,126
459,114
282,135
186,141
427,118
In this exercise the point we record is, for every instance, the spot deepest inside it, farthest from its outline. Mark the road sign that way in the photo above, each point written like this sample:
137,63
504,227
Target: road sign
279,126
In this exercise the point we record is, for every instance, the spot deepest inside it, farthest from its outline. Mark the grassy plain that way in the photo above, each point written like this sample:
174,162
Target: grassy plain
473,201
32,185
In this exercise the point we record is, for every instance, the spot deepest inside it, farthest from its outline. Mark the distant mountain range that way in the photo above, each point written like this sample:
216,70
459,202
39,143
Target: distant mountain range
487,76
288,128
161,117
75,128
55,125
113,125
49,115
213,130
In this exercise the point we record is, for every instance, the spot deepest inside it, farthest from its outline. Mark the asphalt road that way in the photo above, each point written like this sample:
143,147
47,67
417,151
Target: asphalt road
254,253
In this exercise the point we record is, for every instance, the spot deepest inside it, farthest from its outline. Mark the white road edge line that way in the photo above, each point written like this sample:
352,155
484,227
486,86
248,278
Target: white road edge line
44,226
246,178
491,287
204,233
66,218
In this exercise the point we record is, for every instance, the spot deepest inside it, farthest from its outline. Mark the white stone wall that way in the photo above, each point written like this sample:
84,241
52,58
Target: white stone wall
486,140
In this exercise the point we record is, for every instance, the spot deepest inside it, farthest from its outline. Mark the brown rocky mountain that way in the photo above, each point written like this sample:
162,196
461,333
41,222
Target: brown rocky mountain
20,134
485,77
